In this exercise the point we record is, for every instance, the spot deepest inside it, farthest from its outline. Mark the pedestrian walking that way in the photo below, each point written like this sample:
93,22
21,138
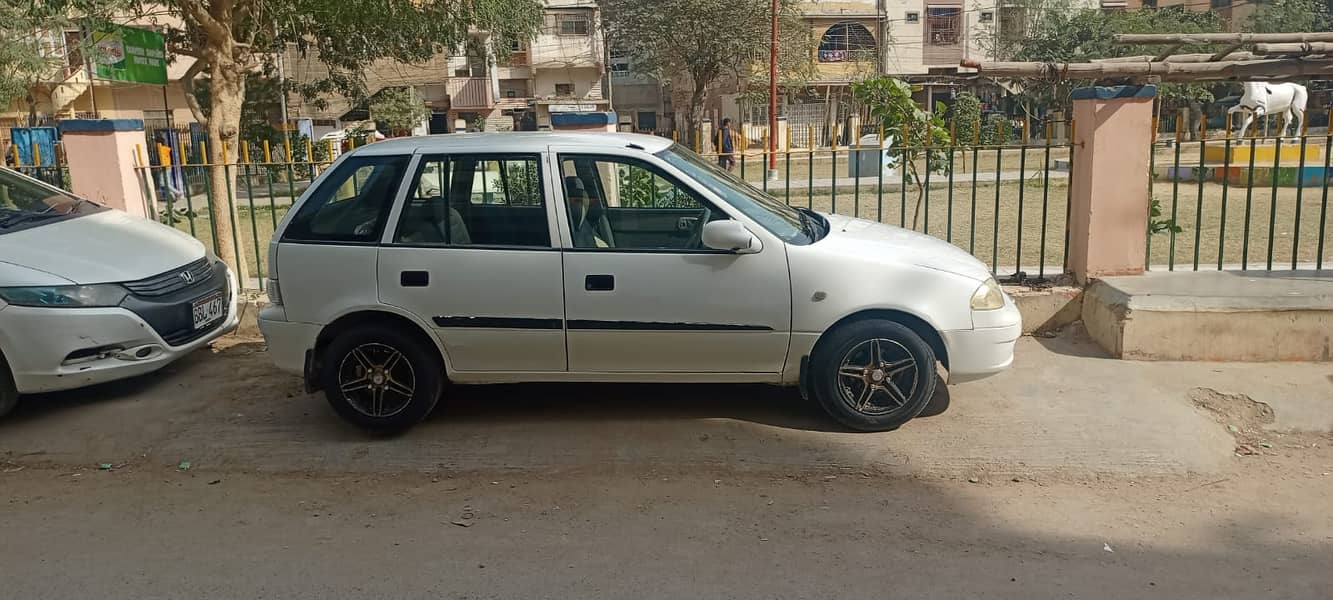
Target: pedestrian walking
726,145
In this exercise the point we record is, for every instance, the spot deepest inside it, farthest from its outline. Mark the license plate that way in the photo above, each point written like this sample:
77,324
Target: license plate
207,310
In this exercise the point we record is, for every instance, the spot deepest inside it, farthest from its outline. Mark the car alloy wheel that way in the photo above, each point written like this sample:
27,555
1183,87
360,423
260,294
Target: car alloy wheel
877,377
377,380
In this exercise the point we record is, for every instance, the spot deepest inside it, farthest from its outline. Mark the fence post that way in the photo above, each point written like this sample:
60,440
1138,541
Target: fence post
101,158
1108,220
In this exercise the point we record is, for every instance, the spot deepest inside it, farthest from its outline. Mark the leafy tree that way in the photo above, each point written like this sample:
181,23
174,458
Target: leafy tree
966,118
1288,16
1057,31
705,41
227,39
917,134
22,63
399,107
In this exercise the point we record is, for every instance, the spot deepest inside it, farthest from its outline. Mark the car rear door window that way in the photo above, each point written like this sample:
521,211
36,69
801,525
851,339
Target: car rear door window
351,205
476,200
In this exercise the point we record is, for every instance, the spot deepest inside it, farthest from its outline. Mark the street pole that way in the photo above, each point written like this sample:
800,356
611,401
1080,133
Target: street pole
773,96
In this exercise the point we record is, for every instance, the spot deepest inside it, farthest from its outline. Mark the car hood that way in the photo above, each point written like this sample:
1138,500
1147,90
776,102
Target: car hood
104,247
876,239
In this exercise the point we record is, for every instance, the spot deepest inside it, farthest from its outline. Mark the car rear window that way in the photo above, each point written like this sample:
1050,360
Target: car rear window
352,204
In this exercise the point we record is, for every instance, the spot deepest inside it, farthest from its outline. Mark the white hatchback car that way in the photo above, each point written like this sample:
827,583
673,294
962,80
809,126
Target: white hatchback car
488,258
89,294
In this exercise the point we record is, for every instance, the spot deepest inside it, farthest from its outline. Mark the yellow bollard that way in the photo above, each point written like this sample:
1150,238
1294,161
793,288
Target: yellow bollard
1180,126
36,155
268,154
287,148
138,155
329,148
245,152
203,152
224,153
309,151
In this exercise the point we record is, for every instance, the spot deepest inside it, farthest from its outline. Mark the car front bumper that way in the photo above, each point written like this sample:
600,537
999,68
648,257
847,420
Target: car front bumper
52,349
986,349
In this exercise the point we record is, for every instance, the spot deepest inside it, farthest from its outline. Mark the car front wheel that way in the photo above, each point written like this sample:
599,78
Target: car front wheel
873,375
381,379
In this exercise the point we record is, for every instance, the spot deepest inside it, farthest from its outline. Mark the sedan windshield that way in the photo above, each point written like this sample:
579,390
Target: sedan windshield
792,225
26,202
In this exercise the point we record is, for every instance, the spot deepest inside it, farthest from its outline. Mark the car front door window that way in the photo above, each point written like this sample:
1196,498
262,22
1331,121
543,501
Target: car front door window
620,203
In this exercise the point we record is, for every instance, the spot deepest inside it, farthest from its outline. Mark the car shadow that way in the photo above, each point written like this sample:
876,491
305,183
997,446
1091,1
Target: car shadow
762,404
1072,341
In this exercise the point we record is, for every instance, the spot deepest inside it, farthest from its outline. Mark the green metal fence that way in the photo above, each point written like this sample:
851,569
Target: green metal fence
1240,202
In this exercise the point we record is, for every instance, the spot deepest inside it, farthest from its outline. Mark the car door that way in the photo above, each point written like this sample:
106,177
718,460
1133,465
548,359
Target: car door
642,292
471,252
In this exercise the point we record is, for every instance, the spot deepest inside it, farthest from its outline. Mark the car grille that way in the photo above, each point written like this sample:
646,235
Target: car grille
175,280
189,334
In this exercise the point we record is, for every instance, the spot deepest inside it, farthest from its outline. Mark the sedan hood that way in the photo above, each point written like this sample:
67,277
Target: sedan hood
862,236
105,247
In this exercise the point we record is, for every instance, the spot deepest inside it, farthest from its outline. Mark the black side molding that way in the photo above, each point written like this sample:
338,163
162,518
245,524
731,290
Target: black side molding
653,326
498,322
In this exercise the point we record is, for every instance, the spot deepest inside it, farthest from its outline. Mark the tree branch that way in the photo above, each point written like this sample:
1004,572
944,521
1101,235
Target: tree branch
195,11
187,84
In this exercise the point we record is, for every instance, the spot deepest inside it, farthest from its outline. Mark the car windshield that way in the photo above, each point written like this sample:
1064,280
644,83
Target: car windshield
26,202
792,225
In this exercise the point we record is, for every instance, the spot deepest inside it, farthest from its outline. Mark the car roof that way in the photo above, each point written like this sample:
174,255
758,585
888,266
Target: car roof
515,141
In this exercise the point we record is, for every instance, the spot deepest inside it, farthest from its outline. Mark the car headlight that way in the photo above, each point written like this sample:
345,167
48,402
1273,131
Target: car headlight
65,296
988,297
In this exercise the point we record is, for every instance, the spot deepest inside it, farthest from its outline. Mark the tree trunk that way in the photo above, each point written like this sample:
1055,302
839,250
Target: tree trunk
227,80
694,114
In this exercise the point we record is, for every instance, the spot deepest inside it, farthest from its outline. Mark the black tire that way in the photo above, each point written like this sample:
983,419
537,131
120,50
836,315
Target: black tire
9,393
360,366
844,375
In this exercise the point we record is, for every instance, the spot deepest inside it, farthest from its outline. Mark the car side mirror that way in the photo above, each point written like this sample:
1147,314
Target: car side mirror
730,235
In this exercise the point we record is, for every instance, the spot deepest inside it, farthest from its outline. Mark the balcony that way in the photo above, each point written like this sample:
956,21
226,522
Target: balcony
469,93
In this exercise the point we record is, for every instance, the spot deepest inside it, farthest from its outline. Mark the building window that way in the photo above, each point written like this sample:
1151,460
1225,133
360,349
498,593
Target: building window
845,42
1013,23
571,24
943,25
987,16
564,90
912,18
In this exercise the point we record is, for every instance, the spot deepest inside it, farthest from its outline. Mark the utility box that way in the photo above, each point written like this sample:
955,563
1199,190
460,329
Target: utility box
870,157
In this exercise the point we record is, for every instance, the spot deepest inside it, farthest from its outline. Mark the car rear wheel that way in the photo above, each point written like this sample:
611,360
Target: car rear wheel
9,394
873,375
381,379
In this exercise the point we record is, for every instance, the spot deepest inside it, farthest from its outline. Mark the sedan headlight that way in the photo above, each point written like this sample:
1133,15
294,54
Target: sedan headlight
65,296
988,297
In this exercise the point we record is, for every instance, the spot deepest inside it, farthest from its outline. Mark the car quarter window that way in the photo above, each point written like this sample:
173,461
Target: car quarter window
629,204
476,200
352,203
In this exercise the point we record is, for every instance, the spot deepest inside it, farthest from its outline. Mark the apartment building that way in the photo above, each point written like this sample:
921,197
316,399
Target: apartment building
561,70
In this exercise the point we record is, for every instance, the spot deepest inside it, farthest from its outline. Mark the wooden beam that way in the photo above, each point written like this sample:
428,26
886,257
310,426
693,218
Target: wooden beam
1166,39
1179,58
1225,51
1295,48
1168,71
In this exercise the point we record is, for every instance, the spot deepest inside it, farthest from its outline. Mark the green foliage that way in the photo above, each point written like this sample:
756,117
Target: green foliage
399,107
21,60
918,135
706,40
966,117
1059,32
1156,224
261,107
1287,16
522,183
639,188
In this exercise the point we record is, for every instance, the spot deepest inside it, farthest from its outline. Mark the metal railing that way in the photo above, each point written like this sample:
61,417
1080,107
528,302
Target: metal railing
52,170
1006,203
1240,202
267,180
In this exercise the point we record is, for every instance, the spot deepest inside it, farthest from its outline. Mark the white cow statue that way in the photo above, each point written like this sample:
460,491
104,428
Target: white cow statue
1261,99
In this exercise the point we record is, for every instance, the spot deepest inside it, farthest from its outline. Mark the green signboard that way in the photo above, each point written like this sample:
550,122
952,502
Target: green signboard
129,54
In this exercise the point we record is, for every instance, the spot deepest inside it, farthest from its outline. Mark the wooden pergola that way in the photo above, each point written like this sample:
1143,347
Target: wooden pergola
1271,56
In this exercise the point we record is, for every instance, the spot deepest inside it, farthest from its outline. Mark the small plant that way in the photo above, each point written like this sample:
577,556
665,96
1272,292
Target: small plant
1156,224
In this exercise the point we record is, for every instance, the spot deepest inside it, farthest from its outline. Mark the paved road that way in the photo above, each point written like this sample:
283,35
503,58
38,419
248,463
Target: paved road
1010,488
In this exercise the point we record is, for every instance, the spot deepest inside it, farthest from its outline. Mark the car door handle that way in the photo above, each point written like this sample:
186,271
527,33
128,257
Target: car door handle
414,278
599,283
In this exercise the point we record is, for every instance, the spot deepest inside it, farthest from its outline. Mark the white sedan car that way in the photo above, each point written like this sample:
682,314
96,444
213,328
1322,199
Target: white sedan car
89,294
488,258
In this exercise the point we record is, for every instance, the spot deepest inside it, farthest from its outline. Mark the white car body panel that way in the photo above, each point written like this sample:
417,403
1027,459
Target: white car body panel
58,348
769,308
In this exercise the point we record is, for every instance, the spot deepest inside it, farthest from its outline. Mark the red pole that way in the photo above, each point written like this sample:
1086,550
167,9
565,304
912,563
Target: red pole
773,95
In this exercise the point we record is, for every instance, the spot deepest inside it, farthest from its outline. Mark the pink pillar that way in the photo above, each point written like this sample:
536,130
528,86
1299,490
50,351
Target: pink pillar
1108,211
101,157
